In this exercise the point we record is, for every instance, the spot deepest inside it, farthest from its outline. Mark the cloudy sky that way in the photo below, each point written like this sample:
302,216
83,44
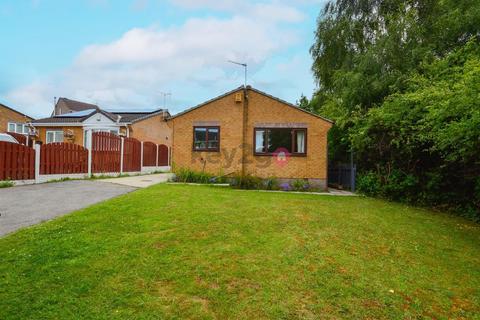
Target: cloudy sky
125,54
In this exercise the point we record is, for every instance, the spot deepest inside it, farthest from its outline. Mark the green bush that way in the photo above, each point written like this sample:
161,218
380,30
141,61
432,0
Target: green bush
247,182
190,176
271,184
6,184
300,185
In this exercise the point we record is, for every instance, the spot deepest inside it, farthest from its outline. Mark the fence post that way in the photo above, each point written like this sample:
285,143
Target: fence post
89,147
156,160
122,148
141,156
37,163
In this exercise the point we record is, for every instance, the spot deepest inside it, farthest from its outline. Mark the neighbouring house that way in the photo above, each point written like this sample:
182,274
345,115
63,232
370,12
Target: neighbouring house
247,131
14,122
72,119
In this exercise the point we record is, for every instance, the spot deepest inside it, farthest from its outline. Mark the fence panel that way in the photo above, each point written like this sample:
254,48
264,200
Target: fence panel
63,158
105,152
149,154
132,149
162,155
17,162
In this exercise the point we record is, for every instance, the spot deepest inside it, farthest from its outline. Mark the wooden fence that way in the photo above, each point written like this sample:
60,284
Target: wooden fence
17,162
63,158
132,161
149,154
163,155
105,152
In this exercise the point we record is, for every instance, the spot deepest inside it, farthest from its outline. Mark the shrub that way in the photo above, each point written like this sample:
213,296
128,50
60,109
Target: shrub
285,186
270,184
247,182
300,185
369,184
6,184
190,176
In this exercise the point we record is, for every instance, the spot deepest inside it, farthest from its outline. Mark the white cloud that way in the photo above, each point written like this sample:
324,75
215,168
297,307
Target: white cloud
131,71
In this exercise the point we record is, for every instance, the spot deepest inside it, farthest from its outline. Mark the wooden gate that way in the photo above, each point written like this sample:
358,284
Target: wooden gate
105,152
63,158
132,149
149,154
17,162
162,155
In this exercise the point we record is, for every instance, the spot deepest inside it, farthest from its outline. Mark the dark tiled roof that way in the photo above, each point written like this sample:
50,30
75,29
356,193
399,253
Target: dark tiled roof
125,117
59,120
77,105
129,117
7,107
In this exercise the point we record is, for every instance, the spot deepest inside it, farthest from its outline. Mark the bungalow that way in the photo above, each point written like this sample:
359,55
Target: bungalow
71,120
247,131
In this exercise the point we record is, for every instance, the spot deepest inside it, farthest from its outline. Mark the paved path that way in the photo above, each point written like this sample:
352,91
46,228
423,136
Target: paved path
140,181
27,205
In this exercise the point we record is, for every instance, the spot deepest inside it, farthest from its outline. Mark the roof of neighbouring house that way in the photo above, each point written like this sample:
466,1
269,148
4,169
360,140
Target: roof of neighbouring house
16,111
77,105
124,117
135,116
254,90
75,117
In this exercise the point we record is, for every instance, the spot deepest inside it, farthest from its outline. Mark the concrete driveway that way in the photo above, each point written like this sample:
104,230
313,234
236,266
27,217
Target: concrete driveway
141,181
28,205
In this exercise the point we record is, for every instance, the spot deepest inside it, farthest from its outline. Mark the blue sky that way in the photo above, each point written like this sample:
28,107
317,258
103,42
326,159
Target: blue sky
124,54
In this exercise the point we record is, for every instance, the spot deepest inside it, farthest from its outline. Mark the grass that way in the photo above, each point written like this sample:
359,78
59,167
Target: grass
177,251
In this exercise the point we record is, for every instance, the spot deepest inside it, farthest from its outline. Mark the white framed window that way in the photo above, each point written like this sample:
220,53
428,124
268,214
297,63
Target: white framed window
54,136
18,127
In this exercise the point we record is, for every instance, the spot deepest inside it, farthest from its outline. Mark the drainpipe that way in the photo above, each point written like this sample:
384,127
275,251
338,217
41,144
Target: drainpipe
245,129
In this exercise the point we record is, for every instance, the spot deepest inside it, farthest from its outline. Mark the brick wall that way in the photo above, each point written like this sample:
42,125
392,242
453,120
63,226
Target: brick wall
77,132
262,111
153,129
228,115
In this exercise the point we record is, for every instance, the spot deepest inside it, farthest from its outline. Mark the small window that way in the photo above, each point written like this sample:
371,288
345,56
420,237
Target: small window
21,128
269,140
54,136
206,138
11,127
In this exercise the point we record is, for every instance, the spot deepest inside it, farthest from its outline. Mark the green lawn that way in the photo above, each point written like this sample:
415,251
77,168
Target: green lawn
175,251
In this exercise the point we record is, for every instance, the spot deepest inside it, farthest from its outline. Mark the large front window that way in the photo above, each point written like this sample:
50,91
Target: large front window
206,138
54,136
272,140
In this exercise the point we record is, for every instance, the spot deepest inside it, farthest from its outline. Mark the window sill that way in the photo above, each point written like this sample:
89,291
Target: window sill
206,150
299,155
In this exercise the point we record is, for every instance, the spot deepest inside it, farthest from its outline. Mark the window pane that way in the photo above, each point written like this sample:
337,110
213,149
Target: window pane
212,138
19,128
58,136
25,129
11,127
260,141
50,136
300,141
279,138
200,138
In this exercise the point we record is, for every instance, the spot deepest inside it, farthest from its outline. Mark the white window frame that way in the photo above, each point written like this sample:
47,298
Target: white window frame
21,128
55,138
